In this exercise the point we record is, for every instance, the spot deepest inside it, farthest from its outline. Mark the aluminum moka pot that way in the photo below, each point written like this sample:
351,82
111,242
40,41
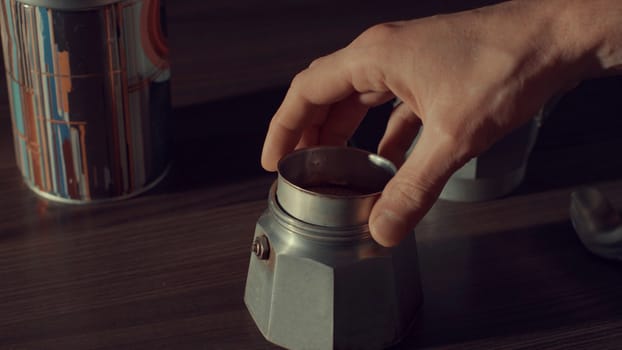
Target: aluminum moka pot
317,280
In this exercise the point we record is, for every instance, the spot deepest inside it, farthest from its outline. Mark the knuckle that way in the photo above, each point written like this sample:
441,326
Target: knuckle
370,53
298,81
368,69
379,32
316,62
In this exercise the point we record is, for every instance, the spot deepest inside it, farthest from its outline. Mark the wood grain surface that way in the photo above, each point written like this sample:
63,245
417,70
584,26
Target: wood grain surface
166,270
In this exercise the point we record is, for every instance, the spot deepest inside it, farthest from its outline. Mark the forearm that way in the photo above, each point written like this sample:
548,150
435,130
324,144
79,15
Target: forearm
589,31
559,42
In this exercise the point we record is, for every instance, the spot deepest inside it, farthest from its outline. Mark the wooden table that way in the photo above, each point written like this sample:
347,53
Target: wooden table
166,270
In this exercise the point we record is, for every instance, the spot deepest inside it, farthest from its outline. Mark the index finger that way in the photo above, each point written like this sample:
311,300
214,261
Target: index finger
307,101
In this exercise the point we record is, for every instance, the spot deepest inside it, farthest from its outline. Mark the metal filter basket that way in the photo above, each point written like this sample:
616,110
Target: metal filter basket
316,279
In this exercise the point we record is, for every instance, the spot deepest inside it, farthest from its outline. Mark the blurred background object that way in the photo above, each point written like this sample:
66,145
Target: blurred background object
89,94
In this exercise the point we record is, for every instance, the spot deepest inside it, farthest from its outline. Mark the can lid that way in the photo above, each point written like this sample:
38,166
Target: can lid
69,4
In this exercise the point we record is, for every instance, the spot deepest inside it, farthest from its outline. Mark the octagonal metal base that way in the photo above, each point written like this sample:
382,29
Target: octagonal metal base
330,293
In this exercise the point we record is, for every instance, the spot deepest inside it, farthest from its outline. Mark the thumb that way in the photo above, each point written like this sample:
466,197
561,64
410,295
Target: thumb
415,187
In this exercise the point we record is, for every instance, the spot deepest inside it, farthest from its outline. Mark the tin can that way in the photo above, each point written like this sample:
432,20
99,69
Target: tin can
316,278
88,85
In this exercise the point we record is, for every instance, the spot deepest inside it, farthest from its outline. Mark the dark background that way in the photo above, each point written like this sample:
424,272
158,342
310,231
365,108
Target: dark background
222,49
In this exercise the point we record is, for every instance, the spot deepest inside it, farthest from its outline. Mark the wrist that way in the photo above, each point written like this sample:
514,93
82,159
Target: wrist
588,35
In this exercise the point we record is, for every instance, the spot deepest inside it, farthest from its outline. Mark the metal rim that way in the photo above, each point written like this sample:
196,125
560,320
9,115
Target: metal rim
373,158
338,235
331,186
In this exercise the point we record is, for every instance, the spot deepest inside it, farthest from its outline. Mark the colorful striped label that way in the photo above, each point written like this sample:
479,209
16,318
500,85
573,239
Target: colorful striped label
89,95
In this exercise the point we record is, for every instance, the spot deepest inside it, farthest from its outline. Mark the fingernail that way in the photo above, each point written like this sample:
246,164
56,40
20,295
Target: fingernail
388,228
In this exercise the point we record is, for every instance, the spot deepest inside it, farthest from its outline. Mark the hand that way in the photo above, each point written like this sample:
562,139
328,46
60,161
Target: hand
469,78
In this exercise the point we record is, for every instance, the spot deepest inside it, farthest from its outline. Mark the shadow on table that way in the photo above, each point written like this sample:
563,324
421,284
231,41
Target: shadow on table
513,286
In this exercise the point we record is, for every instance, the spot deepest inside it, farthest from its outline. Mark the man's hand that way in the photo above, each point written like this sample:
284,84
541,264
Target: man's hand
469,77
